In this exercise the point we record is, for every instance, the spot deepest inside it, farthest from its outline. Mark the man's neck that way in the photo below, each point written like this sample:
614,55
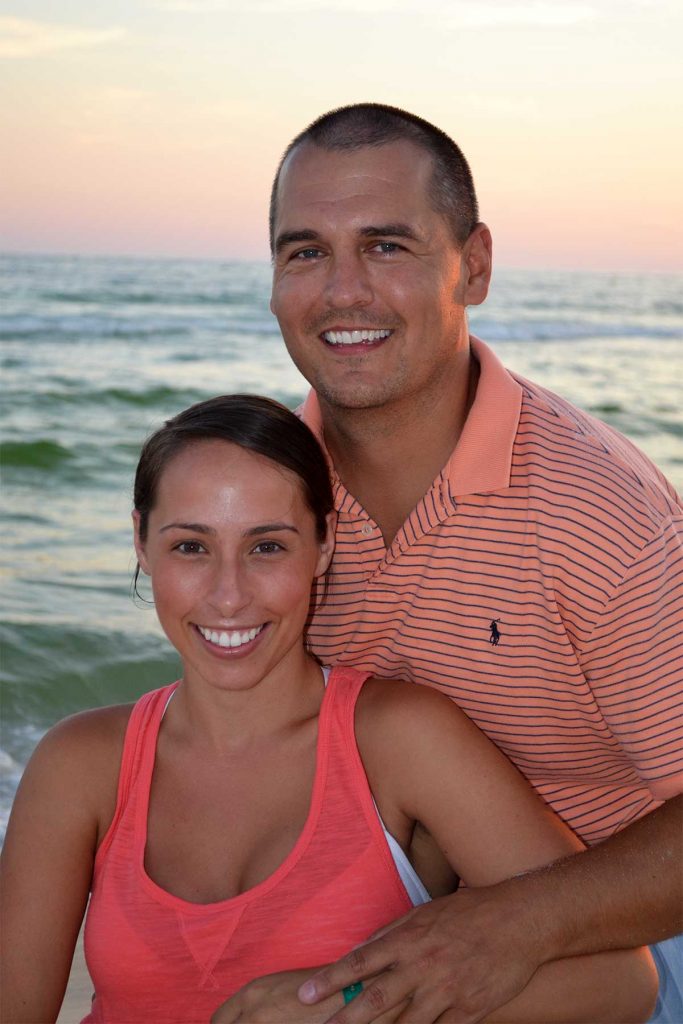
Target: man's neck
389,457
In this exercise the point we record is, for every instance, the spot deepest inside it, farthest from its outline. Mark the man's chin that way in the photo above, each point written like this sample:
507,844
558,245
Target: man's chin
353,398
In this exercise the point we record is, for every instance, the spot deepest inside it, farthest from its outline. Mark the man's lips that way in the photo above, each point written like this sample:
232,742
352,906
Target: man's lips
356,336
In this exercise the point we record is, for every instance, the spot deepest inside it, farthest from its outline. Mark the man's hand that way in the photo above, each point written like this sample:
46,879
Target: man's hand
456,959
461,957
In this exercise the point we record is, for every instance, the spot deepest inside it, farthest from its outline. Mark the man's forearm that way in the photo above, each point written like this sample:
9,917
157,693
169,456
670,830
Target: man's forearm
476,950
624,892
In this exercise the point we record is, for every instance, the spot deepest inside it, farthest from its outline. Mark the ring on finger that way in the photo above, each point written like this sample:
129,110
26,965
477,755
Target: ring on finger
351,991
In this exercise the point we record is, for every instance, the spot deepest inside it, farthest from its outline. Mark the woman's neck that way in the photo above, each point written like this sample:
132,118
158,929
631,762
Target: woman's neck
230,721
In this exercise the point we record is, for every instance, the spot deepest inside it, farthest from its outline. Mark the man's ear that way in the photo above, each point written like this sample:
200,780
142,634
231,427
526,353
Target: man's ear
327,545
477,257
139,545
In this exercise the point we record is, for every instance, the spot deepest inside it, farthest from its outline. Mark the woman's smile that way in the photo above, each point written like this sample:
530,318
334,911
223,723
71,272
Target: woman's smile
232,640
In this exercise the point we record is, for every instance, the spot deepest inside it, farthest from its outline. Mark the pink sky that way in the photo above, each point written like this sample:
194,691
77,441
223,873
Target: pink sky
155,128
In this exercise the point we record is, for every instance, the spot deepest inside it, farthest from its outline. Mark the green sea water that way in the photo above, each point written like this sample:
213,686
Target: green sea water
97,352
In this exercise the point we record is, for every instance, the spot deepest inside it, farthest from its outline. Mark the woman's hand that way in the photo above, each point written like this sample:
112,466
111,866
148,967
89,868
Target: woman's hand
274,998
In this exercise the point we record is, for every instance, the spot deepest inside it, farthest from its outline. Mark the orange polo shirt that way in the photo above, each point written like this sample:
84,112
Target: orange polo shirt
539,583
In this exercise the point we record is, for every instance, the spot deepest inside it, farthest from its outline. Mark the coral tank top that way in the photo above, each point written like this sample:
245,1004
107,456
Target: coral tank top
155,957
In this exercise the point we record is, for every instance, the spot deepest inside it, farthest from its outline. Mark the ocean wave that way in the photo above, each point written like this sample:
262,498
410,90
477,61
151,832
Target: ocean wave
84,329
569,330
668,308
176,298
41,454
11,770
606,408
87,329
51,672
148,397
8,765
54,401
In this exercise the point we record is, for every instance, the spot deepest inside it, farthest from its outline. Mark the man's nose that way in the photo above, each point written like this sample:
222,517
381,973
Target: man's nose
348,282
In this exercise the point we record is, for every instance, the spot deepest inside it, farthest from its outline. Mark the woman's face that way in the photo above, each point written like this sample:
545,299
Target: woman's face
232,551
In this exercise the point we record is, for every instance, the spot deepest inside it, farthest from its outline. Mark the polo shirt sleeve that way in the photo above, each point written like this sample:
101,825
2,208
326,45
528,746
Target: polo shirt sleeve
634,661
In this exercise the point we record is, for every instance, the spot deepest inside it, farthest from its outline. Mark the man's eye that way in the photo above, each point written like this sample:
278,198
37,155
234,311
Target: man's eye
387,246
190,547
306,254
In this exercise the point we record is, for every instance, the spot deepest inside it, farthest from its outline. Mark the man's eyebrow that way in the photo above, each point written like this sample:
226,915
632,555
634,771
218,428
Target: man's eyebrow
291,237
398,230
393,230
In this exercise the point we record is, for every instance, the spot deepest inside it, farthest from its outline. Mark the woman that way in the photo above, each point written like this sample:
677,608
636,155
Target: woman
254,818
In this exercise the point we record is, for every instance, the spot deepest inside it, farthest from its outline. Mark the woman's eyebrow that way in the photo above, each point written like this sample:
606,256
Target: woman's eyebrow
193,527
252,531
270,528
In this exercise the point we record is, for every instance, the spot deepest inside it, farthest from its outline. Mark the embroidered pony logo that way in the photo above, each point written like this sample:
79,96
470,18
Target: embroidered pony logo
494,639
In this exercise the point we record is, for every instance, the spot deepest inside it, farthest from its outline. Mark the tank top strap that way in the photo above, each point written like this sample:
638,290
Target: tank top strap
339,707
345,769
347,684
139,746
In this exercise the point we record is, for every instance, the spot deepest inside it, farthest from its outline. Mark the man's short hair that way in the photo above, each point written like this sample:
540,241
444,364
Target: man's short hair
451,189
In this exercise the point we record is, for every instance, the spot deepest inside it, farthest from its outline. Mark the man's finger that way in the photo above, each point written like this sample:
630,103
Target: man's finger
382,1000
358,965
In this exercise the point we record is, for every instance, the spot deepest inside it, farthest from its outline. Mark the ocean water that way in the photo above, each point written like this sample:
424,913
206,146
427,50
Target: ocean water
97,352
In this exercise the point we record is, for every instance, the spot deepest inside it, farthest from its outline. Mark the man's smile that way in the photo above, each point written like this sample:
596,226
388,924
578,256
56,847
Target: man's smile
355,337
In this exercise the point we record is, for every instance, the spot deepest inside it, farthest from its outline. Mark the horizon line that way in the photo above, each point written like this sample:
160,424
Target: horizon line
266,262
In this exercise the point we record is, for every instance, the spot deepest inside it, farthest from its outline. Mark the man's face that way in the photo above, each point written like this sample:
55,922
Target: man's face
369,286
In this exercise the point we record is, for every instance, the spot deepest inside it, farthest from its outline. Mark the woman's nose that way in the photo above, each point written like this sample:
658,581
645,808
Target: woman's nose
229,589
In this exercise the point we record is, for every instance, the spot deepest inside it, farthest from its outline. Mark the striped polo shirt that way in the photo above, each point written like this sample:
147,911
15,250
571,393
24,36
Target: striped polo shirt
539,583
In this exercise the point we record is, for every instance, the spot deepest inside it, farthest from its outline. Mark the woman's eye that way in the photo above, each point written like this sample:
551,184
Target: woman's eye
190,547
268,547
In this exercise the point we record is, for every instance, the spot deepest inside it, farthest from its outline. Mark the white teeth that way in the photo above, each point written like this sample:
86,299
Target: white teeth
234,638
354,337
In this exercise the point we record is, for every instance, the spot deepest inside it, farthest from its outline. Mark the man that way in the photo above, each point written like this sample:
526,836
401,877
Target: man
494,542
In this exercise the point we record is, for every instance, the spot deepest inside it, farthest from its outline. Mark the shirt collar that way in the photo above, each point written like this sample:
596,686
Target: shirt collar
482,458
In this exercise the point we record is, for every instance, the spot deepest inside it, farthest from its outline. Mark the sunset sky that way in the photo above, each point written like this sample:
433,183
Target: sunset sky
154,127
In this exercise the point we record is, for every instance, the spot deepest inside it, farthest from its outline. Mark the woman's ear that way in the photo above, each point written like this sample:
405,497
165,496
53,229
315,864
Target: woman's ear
139,545
327,545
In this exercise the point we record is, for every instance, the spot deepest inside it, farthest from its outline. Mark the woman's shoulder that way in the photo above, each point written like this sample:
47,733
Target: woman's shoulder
96,732
409,738
72,776
78,761
388,704
398,721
